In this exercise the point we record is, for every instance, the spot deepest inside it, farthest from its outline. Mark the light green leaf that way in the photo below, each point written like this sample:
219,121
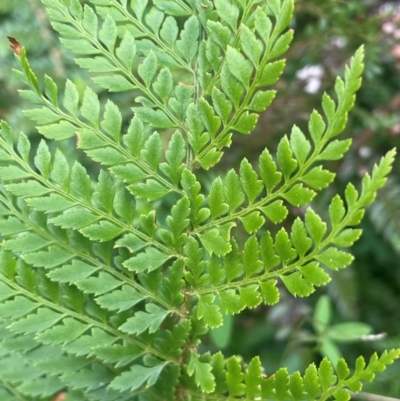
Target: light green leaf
172,8
300,145
238,66
299,237
147,70
150,190
268,252
281,384
276,211
263,25
12,173
228,12
69,330
269,292
230,303
335,150
156,118
120,355
202,373
317,126
311,382
130,241
169,31
347,237
262,100
250,296
251,254
252,222
125,204
271,73
102,231
318,178
222,105
112,122
249,180
150,320
208,311
221,336
297,285
120,300
99,285
281,45
71,98
136,377
211,122
51,90
113,83
53,257
11,226
233,193
336,211
149,260
58,132
108,33
251,46
36,323
107,156
219,33
315,226
232,86
42,116
285,158
96,64
234,377
315,274
90,108
268,171
214,243
29,242
60,173
17,307
126,51
335,259
164,85
77,218
78,270
298,195
326,376
80,184
283,247
187,44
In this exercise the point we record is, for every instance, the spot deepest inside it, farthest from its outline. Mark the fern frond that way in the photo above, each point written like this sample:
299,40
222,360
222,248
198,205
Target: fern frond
120,298
129,157
298,163
56,316
296,258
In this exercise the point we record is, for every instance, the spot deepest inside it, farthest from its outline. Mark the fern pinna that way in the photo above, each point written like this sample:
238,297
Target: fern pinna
101,301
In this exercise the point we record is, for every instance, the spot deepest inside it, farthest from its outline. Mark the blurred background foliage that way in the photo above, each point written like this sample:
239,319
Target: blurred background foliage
296,331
